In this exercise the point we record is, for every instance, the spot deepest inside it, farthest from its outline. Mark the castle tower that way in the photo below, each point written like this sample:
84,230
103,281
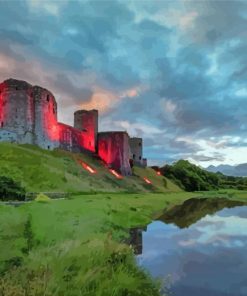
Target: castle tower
16,111
113,148
46,128
136,150
87,122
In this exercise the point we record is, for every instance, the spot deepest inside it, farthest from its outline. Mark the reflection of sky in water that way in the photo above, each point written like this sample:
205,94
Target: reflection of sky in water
207,259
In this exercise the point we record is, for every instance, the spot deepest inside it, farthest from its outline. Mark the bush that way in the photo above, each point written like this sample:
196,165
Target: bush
42,198
11,190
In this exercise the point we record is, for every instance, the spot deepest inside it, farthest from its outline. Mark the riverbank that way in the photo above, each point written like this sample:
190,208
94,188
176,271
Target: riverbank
75,246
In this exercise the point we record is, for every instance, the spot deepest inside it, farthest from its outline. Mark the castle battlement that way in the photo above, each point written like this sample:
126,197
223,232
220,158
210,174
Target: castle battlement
28,115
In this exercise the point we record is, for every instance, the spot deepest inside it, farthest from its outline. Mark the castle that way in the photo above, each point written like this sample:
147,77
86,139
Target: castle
28,115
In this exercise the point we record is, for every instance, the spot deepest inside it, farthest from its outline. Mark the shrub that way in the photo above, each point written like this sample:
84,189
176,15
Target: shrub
11,190
41,197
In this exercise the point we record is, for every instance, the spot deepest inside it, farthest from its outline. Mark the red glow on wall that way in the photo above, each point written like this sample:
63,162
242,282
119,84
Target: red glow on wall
116,174
113,149
2,113
147,180
88,141
87,167
89,125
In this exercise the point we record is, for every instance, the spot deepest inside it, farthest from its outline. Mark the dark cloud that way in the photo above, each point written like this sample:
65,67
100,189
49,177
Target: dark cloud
76,93
205,158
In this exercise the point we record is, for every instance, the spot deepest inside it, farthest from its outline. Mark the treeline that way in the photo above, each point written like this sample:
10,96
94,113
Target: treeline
11,190
193,178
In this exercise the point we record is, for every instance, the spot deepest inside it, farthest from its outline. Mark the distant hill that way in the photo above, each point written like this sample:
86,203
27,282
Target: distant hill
194,178
41,170
229,170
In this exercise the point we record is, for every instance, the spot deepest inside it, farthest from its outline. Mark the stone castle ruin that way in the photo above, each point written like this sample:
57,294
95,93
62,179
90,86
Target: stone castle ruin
28,115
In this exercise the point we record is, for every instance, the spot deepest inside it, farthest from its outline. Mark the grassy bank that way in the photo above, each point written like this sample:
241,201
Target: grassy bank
59,171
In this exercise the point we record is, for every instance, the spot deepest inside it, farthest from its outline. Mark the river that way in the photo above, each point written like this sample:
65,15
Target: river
198,248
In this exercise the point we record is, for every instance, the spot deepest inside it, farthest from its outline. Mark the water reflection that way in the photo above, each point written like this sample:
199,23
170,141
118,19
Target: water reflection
203,256
136,239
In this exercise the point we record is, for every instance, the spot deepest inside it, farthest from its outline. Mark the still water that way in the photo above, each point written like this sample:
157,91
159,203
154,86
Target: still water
199,249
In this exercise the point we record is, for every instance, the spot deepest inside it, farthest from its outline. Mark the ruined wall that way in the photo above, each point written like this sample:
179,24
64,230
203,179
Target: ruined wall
136,150
70,138
87,122
8,136
113,148
46,127
17,109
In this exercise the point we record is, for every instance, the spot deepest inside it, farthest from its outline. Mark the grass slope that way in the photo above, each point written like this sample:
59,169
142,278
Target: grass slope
58,171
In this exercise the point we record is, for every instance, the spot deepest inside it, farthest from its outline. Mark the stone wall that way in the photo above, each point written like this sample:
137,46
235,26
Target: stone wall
70,138
113,148
87,122
46,128
17,109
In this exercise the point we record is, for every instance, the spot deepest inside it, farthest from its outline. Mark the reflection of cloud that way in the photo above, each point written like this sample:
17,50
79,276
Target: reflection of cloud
208,258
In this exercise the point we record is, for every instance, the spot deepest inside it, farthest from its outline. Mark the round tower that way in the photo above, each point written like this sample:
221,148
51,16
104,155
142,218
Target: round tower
46,127
87,122
17,109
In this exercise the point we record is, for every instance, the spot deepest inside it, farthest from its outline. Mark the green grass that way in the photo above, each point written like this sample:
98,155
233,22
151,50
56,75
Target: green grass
74,247
58,171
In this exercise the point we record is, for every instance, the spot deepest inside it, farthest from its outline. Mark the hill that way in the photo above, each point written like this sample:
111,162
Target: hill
193,178
41,170
230,170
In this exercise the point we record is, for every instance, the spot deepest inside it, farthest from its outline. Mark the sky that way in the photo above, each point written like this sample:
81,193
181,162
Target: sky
171,72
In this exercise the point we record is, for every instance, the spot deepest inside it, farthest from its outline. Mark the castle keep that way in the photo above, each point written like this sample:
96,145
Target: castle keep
28,115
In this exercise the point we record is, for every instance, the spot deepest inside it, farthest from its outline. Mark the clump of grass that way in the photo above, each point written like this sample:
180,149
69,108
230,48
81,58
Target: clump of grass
41,197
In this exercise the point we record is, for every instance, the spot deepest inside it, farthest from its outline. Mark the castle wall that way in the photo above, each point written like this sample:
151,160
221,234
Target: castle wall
136,152
8,136
46,127
17,109
87,122
70,138
113,148
136,149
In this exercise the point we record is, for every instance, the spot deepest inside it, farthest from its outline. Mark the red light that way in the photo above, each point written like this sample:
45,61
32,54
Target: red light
147,180
87,167
158,173
117,175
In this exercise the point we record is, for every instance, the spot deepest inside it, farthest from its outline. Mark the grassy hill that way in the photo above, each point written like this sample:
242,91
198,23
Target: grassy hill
40,170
